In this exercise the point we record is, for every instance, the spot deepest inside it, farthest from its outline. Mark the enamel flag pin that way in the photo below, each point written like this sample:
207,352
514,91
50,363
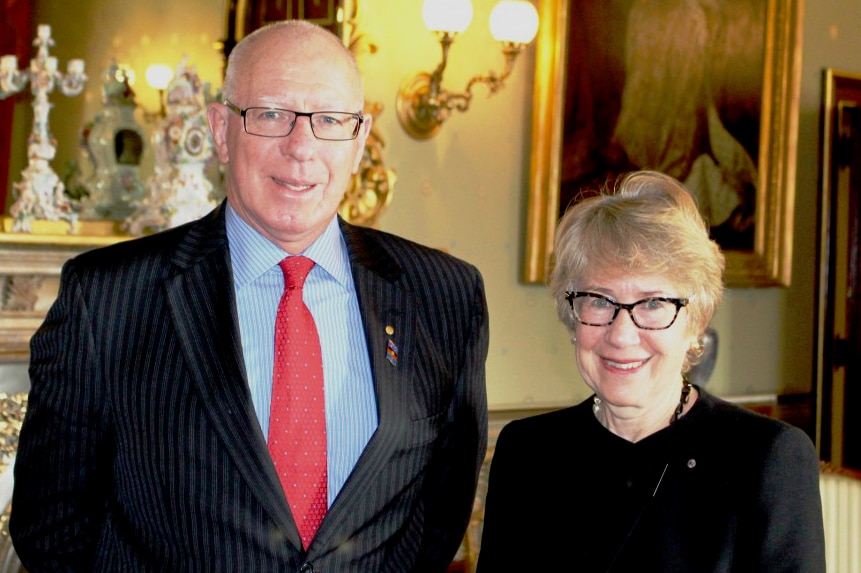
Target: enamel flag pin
391,347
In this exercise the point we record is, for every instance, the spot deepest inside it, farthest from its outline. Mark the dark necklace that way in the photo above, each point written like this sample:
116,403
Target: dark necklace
686,395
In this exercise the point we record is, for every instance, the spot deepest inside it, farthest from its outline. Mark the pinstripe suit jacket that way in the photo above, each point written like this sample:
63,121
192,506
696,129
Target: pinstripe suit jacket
141,451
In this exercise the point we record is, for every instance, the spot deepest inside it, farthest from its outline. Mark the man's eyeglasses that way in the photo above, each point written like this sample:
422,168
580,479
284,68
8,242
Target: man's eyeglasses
275,122
652,313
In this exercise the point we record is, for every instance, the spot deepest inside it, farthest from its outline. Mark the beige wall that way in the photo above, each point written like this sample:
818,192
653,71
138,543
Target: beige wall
465,189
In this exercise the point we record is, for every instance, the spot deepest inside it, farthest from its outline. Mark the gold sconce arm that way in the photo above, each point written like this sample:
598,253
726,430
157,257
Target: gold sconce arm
423,105
494,81
160,113
158,76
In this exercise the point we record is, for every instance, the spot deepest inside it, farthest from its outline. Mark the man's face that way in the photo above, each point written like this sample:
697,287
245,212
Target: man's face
289,188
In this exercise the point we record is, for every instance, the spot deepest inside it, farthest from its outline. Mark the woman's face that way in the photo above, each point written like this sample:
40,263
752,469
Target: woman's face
633,370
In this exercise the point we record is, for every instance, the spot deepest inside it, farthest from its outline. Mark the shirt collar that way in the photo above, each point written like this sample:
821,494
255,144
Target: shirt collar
252,254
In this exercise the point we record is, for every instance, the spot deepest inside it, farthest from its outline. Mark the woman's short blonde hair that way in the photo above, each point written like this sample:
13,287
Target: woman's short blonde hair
649,223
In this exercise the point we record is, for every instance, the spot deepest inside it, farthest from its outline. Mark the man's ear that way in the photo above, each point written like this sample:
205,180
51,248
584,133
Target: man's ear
364,132
217,115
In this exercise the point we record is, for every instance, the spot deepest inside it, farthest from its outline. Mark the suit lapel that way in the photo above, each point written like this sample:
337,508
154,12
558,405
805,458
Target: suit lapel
386,315
201,302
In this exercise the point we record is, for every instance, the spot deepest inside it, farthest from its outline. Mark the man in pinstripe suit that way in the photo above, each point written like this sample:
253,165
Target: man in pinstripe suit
144,445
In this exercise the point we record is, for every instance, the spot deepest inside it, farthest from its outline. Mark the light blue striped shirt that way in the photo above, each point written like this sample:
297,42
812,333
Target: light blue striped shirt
329,293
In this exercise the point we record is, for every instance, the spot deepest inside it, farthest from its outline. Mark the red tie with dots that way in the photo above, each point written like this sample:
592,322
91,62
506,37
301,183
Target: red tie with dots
297,419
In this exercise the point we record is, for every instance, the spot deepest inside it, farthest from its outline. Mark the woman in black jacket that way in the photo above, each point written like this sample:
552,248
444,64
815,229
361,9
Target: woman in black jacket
651,473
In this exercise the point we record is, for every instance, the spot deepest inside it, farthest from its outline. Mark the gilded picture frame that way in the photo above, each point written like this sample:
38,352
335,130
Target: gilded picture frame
768,262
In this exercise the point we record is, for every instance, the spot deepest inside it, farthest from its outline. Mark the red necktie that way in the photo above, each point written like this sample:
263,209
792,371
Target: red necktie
297,422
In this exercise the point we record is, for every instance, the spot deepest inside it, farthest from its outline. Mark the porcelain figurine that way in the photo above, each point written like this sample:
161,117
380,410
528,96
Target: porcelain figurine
114,144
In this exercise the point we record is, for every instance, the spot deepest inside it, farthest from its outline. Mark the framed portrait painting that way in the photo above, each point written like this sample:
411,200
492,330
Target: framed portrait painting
704,91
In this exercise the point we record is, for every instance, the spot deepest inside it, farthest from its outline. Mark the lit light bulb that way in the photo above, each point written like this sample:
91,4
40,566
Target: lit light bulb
158,76
514,21
447,15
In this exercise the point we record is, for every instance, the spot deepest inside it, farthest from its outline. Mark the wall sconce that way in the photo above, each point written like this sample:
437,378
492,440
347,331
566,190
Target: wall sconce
422,103
158,76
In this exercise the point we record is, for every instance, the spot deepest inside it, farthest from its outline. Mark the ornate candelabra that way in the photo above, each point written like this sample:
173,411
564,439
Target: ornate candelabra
41,194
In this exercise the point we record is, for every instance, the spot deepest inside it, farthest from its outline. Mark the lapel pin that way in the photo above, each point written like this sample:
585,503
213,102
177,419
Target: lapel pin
392,352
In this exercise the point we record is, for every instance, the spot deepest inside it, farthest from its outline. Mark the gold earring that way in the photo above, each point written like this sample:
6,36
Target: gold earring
697,347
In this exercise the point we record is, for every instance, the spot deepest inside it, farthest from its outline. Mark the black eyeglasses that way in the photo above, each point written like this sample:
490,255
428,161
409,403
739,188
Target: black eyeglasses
652,313
275,122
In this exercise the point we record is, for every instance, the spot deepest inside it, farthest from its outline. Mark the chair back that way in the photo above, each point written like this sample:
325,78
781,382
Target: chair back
841,511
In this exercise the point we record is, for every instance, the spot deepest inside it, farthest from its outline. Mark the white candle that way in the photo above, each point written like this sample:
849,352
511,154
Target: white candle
76,66
9,63
44,31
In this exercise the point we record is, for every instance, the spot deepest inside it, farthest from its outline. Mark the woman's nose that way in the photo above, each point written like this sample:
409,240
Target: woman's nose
623,330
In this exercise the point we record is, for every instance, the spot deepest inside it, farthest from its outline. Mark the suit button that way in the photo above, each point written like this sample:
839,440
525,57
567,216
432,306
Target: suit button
306,568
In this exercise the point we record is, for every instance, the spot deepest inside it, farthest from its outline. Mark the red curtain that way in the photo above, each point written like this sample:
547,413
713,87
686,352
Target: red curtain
15,38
